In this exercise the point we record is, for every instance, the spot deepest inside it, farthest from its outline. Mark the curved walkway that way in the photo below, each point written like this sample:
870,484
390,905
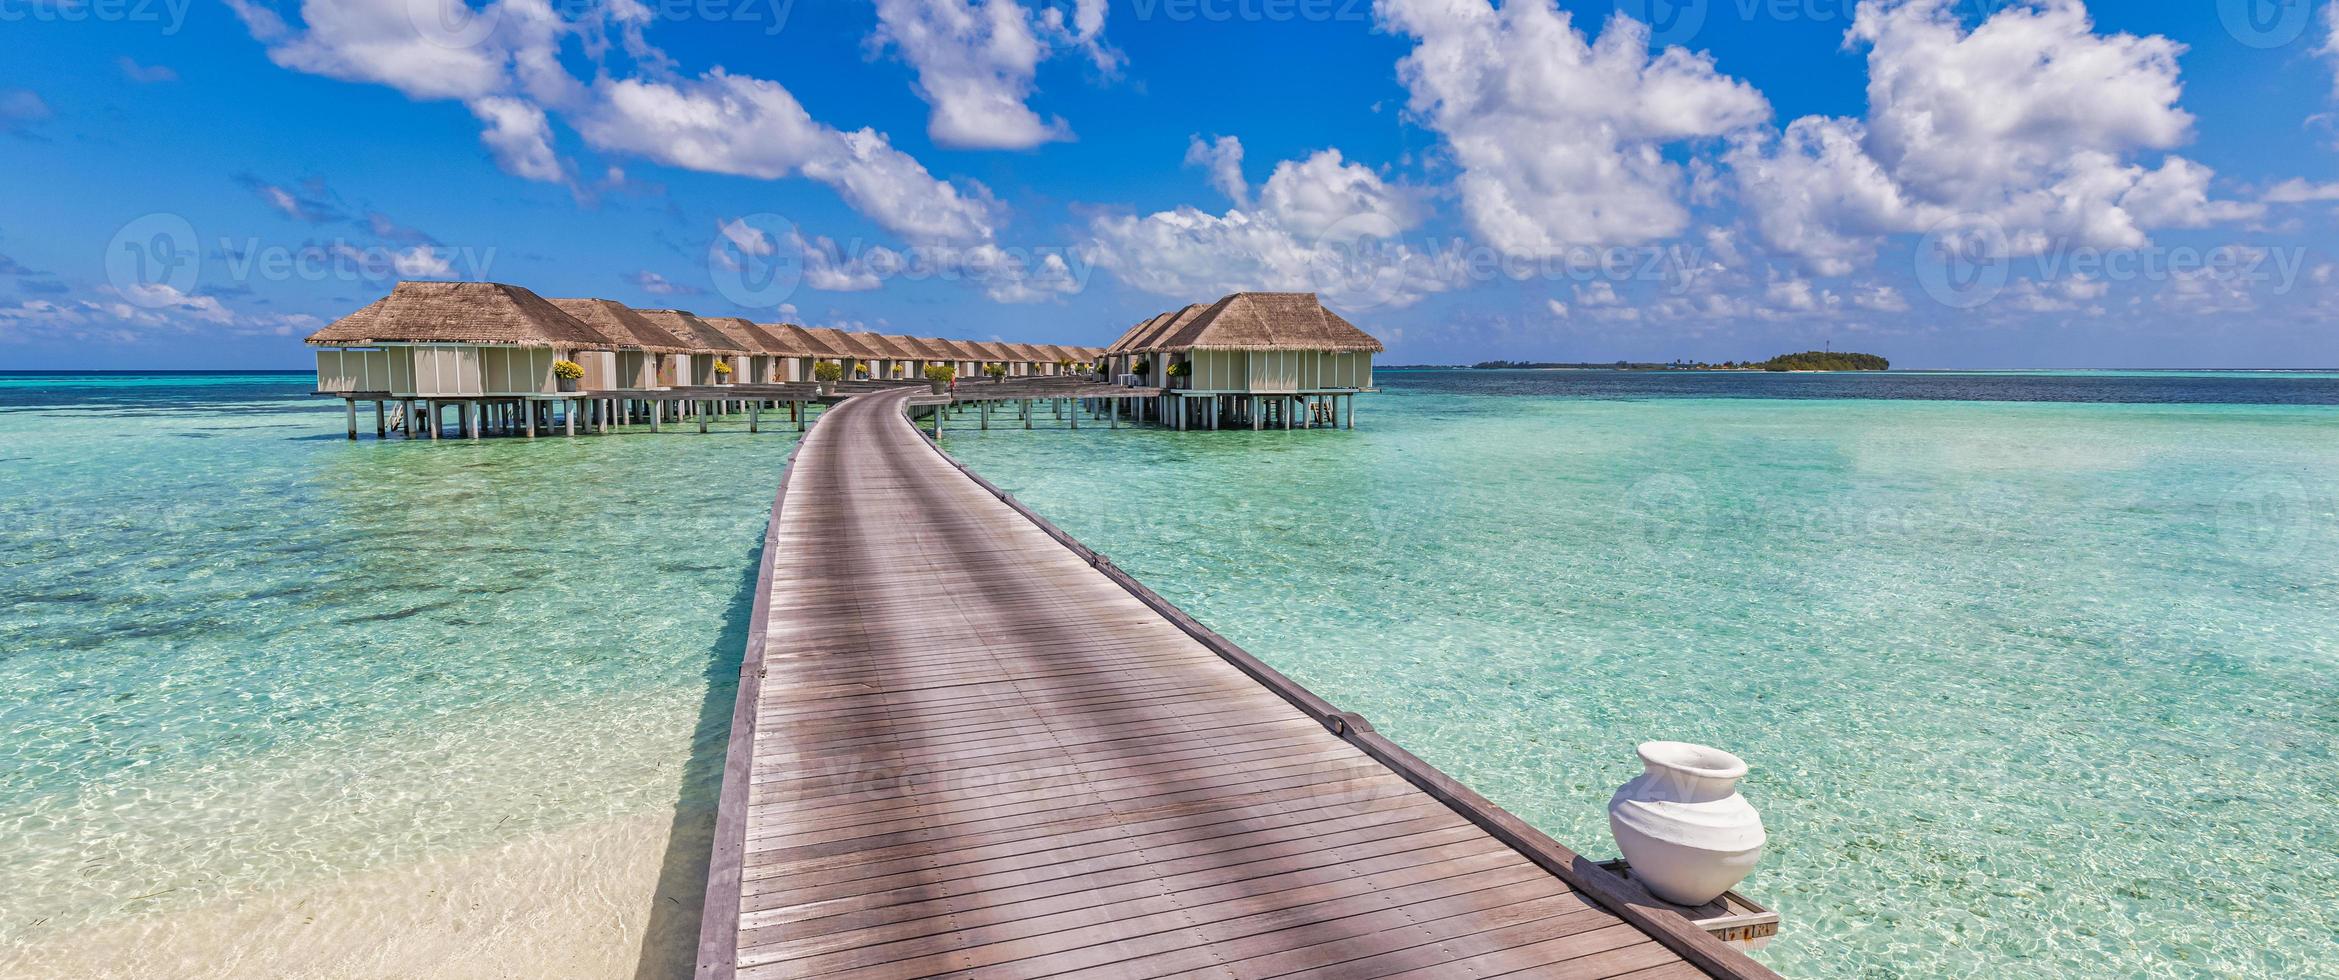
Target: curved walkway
967,747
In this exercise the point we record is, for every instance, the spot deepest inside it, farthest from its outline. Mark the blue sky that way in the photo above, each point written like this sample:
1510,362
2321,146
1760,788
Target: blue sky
1952,183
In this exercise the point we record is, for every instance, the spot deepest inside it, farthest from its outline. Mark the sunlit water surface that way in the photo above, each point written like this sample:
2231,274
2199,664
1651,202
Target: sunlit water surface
2035,689
2030,687
240,654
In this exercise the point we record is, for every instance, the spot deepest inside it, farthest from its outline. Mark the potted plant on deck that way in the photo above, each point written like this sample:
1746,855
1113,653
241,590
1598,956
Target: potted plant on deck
722,372
567,374
995,372
1178,371
939,376
827,373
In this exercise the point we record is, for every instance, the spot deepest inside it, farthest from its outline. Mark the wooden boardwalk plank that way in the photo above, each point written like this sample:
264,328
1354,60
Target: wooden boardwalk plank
970,747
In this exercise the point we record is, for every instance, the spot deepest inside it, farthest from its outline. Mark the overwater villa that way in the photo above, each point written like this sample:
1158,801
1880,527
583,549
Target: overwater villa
508,360
1266,360
465,344
642,346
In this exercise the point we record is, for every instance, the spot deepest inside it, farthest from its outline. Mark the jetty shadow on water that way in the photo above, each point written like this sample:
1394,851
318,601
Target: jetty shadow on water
670,940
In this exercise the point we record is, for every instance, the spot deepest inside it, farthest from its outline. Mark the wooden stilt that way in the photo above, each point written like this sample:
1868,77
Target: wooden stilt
704,410
754,416
381,420
349,405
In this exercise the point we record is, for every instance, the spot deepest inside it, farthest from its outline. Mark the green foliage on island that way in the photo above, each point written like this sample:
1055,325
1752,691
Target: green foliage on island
1812,360
1806,361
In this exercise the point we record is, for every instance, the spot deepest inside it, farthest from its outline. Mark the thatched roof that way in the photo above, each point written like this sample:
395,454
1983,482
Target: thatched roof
990,350
1160,327
750,337
929,348
894,346
682,323
625,326
767,340
847,343
796,341
959,350
1139,329
1268,321
460,313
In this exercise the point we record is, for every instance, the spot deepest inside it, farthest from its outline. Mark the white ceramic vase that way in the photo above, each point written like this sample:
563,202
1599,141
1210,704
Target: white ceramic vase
1682,826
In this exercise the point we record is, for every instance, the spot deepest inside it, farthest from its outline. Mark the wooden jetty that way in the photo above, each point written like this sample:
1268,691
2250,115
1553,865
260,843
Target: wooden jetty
965,745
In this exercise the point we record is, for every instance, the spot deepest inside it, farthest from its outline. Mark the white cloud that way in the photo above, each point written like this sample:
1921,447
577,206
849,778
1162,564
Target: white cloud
145,74
1556,307
1879,298
124,315
827,268
1598,292
1222,158
976,62
2330,47
520,137
1326,197
1190,254
503,60
2297,191
896,191
658,285
1562,141
427,49
1321,224
421,262
2030,120
750,239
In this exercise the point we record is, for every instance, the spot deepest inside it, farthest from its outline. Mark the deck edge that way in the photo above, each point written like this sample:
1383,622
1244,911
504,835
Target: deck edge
1625,898
718,928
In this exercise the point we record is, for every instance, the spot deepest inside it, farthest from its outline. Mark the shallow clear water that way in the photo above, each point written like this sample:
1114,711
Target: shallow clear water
2038,689
2036,683
239,653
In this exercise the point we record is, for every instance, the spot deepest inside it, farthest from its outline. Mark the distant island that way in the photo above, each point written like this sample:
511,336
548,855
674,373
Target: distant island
1810,360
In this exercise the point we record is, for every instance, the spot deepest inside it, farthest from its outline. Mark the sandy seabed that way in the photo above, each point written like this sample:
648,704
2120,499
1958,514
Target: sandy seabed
619,898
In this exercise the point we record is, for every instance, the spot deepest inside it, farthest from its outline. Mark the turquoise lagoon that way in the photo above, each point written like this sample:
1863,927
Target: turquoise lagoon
2035,673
